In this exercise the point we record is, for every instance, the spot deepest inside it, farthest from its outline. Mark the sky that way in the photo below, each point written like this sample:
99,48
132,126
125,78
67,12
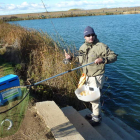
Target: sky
10,7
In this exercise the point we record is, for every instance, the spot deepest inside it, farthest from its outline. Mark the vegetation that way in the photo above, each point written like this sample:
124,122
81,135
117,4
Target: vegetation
16,115
35,56
74,9
72,13
5,67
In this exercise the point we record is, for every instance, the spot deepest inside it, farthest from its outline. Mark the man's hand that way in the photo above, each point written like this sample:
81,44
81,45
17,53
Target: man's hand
98,61
67,56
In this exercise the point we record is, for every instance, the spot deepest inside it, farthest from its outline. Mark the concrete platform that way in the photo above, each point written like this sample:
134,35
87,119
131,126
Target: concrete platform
82,125
68,124
112,130
59,124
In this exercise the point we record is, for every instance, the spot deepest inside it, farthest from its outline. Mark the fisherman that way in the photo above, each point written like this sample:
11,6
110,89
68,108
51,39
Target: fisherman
99,53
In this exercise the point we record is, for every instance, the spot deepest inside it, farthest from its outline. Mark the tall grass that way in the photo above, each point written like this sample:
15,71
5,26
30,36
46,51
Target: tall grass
37,56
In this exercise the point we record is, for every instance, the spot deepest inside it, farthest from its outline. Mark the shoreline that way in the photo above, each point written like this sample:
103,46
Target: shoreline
72,13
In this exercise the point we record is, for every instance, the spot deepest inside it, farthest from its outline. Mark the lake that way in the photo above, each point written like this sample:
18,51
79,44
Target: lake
122,34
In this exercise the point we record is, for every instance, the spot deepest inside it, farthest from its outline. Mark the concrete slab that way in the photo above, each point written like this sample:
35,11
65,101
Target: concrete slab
103,129
82,126
126,127
117,128
55,119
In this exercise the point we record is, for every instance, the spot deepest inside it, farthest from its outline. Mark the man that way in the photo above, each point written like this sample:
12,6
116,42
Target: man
94,51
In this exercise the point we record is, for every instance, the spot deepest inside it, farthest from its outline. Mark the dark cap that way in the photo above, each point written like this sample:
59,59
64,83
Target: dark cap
88,30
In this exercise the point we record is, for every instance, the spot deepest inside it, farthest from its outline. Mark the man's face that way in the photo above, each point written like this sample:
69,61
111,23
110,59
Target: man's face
90,38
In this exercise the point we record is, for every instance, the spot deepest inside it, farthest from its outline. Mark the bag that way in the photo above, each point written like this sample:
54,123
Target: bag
82,80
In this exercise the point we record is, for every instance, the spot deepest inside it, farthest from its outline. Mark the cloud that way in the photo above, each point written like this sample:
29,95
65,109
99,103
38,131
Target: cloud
71,3
24,7
83,4
1,7
28,6
11,7
87,4
64,5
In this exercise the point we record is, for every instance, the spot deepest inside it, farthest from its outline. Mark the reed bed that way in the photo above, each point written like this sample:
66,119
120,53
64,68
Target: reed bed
36,56
72,13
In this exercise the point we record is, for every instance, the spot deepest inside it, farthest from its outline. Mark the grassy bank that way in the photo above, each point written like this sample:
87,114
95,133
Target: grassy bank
72,13
5,68
34,57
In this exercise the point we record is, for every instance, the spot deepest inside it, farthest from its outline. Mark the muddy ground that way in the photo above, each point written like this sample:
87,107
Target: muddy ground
32,128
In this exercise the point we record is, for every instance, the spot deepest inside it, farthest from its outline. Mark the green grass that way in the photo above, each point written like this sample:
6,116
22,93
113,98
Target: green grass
5,67
15,115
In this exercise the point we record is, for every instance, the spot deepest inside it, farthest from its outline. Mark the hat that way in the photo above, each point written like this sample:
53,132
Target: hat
88,30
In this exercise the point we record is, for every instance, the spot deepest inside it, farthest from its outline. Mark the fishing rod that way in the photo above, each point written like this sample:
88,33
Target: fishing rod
28,91
63,73
29,86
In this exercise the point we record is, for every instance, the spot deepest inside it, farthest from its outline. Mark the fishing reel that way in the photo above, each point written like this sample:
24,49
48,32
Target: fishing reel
66,61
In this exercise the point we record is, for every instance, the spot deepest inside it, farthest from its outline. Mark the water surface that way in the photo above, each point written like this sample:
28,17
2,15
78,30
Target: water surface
122,34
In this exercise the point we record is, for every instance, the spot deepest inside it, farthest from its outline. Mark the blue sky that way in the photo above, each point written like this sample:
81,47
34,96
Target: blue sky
8,7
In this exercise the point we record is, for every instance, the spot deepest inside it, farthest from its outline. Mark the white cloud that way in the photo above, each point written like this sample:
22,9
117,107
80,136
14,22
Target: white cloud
10,7
24,7
24,4
108,2
131,0
1,7
86,4
72,4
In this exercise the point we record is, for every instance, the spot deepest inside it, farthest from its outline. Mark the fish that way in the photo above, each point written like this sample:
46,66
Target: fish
120,112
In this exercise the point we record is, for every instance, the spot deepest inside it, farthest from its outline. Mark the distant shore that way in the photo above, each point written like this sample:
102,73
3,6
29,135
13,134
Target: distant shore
72,13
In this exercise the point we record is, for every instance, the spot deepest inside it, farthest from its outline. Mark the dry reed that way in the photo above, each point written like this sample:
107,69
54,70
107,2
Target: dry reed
37,57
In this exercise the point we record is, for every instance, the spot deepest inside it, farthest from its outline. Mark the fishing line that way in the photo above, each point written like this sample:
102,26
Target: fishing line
58,35
50,20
